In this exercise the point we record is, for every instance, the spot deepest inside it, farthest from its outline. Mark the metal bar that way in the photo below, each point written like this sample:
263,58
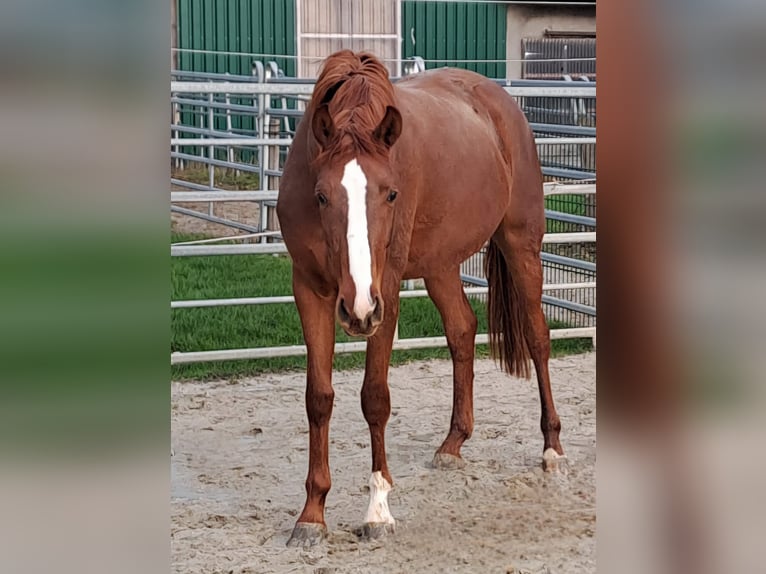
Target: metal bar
578,237
203,250
211,149
570,305
272,195
356,346
568,261
213,219
212,133
307,89
192,185
564,173
563,129
218,162
240,88
540,83
564,141
248,141
569,188
232,302
216,105
210,75
552,92
193,250
558,286
276,300
243,141
483,285
570,218
201,196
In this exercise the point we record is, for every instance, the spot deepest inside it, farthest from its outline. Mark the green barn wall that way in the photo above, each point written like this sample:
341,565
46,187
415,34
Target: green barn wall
456,31
253,26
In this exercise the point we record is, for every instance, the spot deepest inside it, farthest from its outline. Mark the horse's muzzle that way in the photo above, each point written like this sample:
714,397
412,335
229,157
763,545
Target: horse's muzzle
356,327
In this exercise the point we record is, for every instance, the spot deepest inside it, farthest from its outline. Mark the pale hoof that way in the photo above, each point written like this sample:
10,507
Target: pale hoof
307,534
444,461
375,530
555,462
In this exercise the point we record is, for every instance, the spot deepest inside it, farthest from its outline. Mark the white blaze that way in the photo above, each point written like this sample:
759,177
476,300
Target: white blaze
378,510
359,259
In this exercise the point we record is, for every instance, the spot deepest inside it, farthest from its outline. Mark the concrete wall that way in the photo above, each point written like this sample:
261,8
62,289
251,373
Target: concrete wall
533,21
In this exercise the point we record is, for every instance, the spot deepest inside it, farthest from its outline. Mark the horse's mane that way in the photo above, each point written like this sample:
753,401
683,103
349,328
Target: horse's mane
356,89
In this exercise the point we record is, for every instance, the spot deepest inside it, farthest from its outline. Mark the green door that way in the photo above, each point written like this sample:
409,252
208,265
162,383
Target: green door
442,32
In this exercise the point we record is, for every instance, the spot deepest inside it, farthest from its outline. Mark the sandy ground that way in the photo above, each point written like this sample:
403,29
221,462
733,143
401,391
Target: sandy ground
239,464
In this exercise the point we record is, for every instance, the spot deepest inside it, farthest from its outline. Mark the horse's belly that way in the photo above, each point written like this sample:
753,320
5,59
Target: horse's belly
453,224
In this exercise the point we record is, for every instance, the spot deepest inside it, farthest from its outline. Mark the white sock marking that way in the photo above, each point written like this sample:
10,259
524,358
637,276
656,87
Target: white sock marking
378,511
359,259
554,462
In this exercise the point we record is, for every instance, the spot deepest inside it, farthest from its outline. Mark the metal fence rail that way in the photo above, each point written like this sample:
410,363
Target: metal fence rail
214,129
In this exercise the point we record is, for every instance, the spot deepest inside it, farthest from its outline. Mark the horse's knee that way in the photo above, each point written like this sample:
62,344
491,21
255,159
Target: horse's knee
319,402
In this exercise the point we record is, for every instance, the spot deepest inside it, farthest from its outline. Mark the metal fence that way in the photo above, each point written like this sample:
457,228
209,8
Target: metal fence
243,125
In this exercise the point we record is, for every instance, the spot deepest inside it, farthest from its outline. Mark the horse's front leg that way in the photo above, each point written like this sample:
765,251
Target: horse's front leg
318,322
376,406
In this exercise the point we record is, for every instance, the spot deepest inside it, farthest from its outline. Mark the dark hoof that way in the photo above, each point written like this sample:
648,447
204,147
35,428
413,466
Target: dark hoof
555,462
375,530
444,461
307,534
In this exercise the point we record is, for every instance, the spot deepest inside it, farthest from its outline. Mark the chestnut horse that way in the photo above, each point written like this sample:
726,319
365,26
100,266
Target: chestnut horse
388,182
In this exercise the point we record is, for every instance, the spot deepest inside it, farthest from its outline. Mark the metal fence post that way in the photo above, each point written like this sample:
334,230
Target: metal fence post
211,149
270,219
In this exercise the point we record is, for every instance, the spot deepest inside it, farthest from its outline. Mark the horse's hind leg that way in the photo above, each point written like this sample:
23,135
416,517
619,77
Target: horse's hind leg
446,291
522,255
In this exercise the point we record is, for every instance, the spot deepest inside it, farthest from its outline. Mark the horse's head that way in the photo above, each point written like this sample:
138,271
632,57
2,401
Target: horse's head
356,197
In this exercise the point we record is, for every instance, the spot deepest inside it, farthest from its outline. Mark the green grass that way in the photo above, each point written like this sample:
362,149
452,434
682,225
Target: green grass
573,204
212,328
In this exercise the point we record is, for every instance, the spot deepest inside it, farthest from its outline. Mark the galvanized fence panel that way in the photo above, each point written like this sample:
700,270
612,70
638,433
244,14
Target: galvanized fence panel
569,249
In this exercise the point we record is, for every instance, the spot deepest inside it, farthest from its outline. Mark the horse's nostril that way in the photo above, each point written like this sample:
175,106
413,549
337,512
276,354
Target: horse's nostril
376,316
343,313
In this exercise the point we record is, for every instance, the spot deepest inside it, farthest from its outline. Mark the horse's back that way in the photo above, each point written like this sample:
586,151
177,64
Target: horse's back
468,140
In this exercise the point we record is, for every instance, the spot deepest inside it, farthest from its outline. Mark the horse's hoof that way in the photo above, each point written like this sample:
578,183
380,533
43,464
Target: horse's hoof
555,462
375,530
307,534
444,461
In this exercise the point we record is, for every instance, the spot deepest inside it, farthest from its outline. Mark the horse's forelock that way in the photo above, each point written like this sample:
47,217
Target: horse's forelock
356,88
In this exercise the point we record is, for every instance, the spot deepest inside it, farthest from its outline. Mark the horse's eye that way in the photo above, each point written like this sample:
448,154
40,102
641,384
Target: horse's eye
321,198
392,196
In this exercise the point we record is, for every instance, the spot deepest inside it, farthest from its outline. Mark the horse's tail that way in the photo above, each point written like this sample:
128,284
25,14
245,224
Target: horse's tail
507,319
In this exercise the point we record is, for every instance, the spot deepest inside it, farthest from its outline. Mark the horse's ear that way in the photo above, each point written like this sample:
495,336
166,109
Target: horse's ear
322,125
390,127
